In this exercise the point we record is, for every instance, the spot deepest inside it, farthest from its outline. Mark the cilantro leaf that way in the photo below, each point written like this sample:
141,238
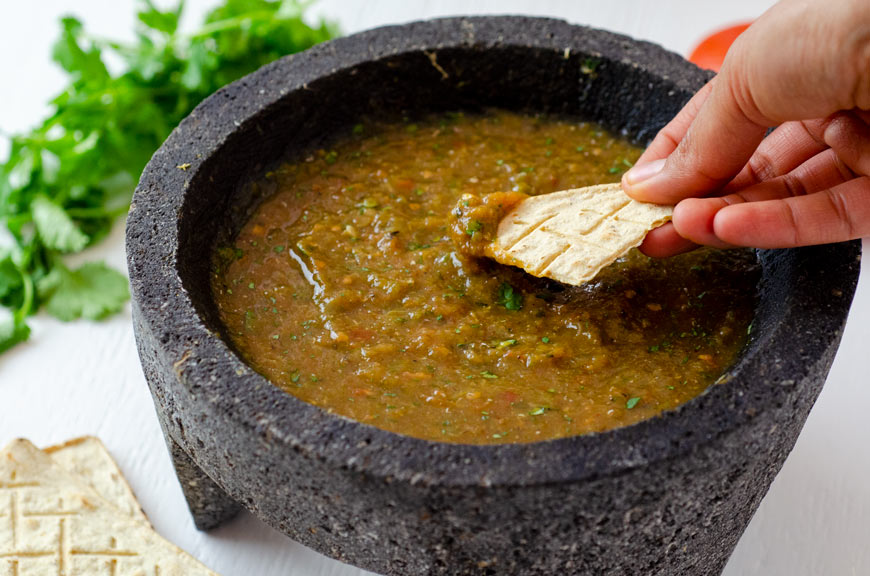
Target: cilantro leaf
74,56
55,227
93,291
13,330
509,297
152,17
473,227
11,283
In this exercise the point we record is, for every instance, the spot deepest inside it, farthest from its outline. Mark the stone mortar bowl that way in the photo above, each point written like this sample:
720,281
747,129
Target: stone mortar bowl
670,495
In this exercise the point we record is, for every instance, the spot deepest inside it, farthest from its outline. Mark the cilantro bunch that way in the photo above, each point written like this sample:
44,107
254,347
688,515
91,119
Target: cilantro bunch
65,182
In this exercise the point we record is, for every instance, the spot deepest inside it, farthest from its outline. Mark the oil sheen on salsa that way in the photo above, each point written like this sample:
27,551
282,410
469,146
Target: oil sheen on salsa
345,289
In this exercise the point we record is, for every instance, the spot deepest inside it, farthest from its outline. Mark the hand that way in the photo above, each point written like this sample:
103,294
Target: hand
804,66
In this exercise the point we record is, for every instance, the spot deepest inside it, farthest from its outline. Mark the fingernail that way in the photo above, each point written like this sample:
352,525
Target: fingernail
638,174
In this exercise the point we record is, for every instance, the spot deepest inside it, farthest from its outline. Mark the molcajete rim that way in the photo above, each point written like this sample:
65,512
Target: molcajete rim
164,293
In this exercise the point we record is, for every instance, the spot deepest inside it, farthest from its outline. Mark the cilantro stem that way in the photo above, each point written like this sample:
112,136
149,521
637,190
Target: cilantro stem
27,304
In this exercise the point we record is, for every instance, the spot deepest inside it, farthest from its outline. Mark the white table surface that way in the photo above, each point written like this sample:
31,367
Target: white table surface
85,378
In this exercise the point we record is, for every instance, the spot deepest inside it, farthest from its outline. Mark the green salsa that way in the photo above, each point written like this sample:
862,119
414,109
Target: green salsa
346,290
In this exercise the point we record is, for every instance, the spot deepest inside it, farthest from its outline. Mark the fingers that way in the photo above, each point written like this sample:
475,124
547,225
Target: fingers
775,172
786,148
793,143
833,215
848,134
694,217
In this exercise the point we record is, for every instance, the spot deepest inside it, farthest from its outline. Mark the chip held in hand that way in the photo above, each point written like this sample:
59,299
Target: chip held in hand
568,236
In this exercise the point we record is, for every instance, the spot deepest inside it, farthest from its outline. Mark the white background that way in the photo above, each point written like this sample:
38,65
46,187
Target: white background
84,378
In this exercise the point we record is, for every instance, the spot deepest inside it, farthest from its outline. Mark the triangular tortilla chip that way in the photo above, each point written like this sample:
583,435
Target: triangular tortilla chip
87,458
52,523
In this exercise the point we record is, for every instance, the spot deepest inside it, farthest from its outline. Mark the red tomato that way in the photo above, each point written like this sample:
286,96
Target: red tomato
711,51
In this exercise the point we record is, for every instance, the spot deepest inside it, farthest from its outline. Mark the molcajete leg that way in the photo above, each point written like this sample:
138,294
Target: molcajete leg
208,503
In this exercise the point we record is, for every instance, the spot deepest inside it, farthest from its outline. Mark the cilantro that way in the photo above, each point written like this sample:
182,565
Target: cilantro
620,166
488,374
589,66
11,282
54,226
473,226
509,297
12,331
632,402
545,340
65,182
538,411
92,291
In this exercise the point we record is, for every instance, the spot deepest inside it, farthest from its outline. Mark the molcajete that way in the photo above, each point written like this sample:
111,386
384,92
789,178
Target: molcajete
670,495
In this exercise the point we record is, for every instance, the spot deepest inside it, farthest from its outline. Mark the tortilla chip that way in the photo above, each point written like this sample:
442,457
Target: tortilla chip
52,523
571,235
87,458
